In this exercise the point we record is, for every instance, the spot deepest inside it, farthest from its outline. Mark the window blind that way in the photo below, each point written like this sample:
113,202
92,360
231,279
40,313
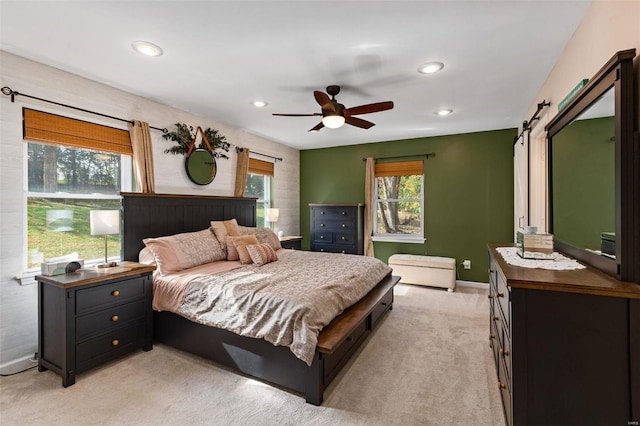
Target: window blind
55,129
260,167
399,168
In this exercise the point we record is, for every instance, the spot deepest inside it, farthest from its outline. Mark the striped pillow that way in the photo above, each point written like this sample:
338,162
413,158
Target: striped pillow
261,254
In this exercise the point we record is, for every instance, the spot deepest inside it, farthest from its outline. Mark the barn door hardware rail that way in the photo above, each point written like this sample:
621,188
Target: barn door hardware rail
8,92
526,125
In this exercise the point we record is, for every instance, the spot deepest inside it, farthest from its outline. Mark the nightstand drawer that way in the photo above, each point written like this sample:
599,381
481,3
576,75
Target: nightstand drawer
116,316
108,345
105,295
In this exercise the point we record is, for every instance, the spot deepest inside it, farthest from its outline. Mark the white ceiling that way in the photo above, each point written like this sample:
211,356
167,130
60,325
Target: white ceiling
221,55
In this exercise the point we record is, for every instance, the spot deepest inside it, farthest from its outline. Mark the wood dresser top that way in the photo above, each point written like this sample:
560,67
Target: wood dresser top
585,281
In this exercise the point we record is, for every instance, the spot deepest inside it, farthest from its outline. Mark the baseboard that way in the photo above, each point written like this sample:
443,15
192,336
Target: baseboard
18,365
474,284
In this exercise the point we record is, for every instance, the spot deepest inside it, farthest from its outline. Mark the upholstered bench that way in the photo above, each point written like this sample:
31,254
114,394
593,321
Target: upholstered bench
433,271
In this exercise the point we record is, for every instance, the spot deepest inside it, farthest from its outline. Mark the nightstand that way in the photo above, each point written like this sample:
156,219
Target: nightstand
291,242
93,316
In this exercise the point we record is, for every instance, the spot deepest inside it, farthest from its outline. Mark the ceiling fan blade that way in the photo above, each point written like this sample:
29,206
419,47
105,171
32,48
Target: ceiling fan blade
369,108
359,122
317,127
324,101
297,115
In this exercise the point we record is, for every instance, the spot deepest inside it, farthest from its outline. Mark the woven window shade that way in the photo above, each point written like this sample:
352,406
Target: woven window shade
55,129
401,168
260,167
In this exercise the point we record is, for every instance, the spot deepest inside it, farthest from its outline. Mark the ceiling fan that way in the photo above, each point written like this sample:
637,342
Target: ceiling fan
334,114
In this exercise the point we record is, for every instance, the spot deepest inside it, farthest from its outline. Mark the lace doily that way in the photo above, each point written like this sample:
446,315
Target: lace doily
558,263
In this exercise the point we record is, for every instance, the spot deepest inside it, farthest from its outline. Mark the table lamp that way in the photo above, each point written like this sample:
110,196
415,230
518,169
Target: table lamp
271,216
105,222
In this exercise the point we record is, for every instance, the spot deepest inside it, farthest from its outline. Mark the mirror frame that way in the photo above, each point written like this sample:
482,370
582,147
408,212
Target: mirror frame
618,73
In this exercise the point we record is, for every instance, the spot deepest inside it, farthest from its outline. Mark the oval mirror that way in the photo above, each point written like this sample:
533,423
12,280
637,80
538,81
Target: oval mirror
200,166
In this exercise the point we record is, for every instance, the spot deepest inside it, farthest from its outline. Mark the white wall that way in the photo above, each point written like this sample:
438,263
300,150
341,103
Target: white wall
608,27
18,304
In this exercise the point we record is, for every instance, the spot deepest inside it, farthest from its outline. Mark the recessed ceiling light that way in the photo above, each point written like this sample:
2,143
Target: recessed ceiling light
259,104
430,67
443,112
146,48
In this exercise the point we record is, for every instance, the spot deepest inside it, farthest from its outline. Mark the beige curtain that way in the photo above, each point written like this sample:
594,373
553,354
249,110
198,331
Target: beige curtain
242,169
369,206
142,156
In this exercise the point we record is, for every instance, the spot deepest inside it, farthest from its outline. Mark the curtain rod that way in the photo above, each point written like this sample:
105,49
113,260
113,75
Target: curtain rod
526,125
431,154
7,91
258,153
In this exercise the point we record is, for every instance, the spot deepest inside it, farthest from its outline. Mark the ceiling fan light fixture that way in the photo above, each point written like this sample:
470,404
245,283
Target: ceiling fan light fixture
333,121
430,67
444,112
259,104
146,48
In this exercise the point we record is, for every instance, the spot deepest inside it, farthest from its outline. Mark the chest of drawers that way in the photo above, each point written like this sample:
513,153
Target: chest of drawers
566,345
337,228
90,317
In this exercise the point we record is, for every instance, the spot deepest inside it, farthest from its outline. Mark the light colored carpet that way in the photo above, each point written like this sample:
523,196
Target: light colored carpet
429,363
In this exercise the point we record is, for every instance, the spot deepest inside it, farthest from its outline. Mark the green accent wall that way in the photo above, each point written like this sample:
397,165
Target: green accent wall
468,189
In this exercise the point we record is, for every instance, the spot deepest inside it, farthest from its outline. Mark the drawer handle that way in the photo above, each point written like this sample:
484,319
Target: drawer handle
349,339
344,252
384,303
344,213
322,212
500,294
501,386
503,352
321,249
322,224
495,318
115,318
344,225
115,293
115,342
322,237
344,238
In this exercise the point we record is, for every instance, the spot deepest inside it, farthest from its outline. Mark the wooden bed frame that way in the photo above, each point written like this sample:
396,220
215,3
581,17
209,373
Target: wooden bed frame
154,215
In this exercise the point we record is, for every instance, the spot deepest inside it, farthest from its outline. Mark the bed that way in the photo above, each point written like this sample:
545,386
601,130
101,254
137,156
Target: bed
154,215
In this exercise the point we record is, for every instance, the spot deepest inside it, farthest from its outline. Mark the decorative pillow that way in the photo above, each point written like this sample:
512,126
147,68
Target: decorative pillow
146,256
261,254
181,251
264,236
224,228
235,247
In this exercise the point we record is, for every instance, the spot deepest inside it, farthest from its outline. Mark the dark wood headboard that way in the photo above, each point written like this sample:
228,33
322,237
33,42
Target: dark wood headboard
157,215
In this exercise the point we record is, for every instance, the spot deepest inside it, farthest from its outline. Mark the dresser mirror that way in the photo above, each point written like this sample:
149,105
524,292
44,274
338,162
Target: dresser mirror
593,183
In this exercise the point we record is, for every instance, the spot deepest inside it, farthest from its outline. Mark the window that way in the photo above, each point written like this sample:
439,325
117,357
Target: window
399,214
259,181
65,182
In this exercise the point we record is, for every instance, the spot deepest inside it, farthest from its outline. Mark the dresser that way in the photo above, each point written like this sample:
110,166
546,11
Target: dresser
337,228
566,345
92,316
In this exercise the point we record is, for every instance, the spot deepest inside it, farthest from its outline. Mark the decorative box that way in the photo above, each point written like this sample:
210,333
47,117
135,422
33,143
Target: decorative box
535,246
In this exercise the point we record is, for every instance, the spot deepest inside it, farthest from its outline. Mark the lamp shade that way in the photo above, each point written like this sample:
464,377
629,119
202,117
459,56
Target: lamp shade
104,222
272,215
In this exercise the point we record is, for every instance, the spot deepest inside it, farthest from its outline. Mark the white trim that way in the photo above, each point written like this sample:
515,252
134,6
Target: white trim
18,365
398,238
473,284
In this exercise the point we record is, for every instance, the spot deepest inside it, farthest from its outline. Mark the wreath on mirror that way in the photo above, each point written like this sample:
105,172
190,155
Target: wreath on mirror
184,135
200,158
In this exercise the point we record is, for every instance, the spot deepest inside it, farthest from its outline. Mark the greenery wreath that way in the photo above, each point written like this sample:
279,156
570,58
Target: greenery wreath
183,136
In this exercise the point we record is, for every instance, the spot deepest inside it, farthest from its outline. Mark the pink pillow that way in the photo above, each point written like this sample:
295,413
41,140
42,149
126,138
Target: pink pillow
261,254
236,250
223,229
182,251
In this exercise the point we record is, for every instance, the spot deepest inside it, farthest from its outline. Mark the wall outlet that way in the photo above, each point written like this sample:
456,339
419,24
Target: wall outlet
466,264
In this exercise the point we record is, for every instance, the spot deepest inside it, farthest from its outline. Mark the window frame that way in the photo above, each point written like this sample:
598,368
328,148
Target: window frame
398,238
268,178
